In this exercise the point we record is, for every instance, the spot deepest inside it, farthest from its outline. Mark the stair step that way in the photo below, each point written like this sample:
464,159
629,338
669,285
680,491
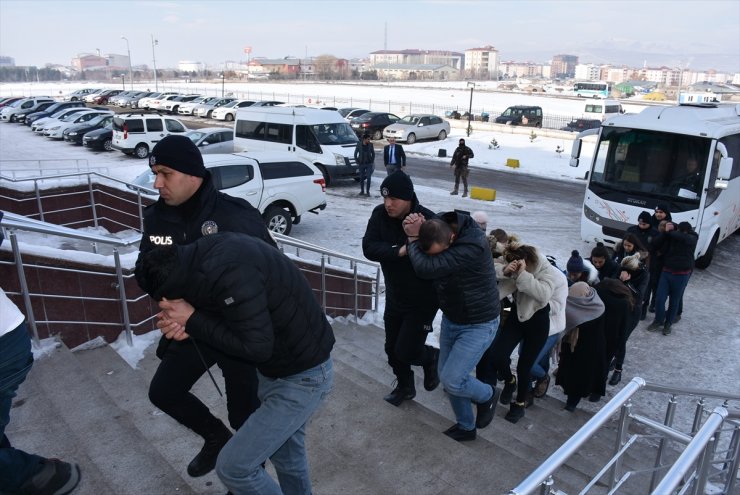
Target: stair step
128,388
98,427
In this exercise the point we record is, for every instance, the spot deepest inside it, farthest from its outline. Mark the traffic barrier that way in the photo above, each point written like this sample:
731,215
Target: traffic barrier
484,193
512,162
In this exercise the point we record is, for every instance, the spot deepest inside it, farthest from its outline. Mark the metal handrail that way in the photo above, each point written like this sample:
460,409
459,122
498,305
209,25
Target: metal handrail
697,444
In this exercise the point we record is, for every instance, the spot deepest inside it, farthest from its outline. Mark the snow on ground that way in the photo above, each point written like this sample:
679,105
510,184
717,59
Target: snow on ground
702,351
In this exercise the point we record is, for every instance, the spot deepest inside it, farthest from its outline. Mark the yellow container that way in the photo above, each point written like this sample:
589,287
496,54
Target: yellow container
512,162
483,193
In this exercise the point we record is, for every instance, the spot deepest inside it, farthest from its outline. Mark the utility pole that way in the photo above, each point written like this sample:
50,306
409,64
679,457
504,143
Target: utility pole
130,71
154,61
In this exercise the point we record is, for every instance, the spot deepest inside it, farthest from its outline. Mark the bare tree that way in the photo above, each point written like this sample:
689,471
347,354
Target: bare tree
325,66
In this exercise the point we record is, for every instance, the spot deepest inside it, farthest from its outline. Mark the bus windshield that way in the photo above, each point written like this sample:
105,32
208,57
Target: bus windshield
651,164
335,134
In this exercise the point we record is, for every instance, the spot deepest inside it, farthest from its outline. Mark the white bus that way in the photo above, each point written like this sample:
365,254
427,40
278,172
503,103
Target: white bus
591,89
685,156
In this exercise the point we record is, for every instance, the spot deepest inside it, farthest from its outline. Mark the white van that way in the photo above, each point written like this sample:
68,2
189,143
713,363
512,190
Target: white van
322,137
602,109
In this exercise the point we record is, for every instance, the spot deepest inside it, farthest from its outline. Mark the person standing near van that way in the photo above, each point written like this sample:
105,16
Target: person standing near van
189,207
394,158
365,158
460,162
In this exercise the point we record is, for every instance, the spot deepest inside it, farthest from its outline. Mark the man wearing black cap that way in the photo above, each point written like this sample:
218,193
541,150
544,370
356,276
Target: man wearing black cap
410,302
460,162
189,207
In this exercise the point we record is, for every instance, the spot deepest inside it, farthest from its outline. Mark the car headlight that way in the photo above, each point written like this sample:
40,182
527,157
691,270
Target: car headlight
73,133
55,128
339,159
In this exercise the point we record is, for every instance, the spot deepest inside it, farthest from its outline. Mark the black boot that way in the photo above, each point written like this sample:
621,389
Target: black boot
405,390
616,377
516,412
431,378
485,411
508,392
205,461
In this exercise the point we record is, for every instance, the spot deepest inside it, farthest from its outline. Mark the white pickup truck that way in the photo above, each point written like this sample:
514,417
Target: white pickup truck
281,185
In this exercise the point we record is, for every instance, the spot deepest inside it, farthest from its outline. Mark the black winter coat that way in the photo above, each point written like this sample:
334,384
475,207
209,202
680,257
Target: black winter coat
610,269
617,318
384,237
678,250
463,275
252,302
208,211
461,156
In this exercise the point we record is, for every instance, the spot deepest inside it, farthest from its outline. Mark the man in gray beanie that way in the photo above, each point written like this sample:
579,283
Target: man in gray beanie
189,207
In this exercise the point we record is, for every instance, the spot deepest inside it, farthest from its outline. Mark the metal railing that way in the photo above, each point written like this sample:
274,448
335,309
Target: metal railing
700,461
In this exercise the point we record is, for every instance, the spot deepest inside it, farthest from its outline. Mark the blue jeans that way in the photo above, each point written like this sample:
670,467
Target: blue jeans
16,360
460,349
276,431
670,286
541,365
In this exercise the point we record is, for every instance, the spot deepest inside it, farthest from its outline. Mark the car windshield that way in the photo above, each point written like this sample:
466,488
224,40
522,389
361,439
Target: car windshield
70,117
658,165
230,104
409,120
145,179
97,120
195,136
334,134
345,111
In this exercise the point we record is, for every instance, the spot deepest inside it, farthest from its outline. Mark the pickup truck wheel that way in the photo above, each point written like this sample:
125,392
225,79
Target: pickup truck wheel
411,138
278,220
141,150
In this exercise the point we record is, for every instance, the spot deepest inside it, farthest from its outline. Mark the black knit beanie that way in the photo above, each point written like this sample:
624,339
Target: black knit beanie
178,153
398,185
575,263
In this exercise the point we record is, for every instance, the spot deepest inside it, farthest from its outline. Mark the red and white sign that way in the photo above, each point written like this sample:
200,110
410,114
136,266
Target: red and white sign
247,49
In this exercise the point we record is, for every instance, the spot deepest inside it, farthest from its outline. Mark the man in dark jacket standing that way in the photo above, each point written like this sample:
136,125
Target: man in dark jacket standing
189,207
677,243
365,158
250,301
460,161
453,252
394,158
410,302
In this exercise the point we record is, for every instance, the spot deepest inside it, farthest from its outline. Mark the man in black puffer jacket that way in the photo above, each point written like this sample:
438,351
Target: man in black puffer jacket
410,302
453,251
189,207
250,301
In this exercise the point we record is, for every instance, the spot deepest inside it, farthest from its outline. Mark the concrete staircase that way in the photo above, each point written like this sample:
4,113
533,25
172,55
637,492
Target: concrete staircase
90,406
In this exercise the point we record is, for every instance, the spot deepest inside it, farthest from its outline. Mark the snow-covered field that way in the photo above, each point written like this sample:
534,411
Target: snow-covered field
702,351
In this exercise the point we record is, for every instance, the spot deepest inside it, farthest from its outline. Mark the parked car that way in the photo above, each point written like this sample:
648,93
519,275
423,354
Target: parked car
160,104
137,133
20,117
26,105
76,133
211,140
578,125
113,100
88,98
351,112
153,103
373,123
100,139
205,110
79,94
102,98
10,99
228,112
38,125
133,100
56,130
267,103
51,110
282,186
173,105
148,100
418,126
187,108
521,115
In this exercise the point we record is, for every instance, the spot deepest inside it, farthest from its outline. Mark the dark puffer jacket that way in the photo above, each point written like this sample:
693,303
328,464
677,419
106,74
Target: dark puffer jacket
251,302
678,250
463,274
207,211
383,238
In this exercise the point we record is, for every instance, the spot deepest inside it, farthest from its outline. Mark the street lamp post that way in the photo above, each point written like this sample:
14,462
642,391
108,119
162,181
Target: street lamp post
130,71
471,85
123,82
223,75
154,61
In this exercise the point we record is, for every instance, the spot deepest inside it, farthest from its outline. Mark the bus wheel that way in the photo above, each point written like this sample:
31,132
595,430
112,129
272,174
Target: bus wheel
706,259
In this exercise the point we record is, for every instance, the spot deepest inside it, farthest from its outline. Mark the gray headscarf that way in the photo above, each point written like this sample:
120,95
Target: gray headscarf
583,304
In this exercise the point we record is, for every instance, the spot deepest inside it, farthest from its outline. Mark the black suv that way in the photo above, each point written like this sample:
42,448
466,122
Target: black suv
372,123
521,115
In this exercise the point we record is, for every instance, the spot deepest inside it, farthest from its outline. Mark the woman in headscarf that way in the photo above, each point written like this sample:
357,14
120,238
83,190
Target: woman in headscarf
619,302
583,368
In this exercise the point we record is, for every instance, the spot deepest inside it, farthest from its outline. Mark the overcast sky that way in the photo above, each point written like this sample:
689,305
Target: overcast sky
704,34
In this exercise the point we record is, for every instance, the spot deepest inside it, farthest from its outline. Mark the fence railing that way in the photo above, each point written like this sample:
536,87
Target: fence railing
701,462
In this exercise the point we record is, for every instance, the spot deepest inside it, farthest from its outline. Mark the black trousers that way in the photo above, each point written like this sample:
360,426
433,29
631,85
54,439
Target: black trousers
181,367
405,337
532,334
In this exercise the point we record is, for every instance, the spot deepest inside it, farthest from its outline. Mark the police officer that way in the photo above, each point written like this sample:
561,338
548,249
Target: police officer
189,207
